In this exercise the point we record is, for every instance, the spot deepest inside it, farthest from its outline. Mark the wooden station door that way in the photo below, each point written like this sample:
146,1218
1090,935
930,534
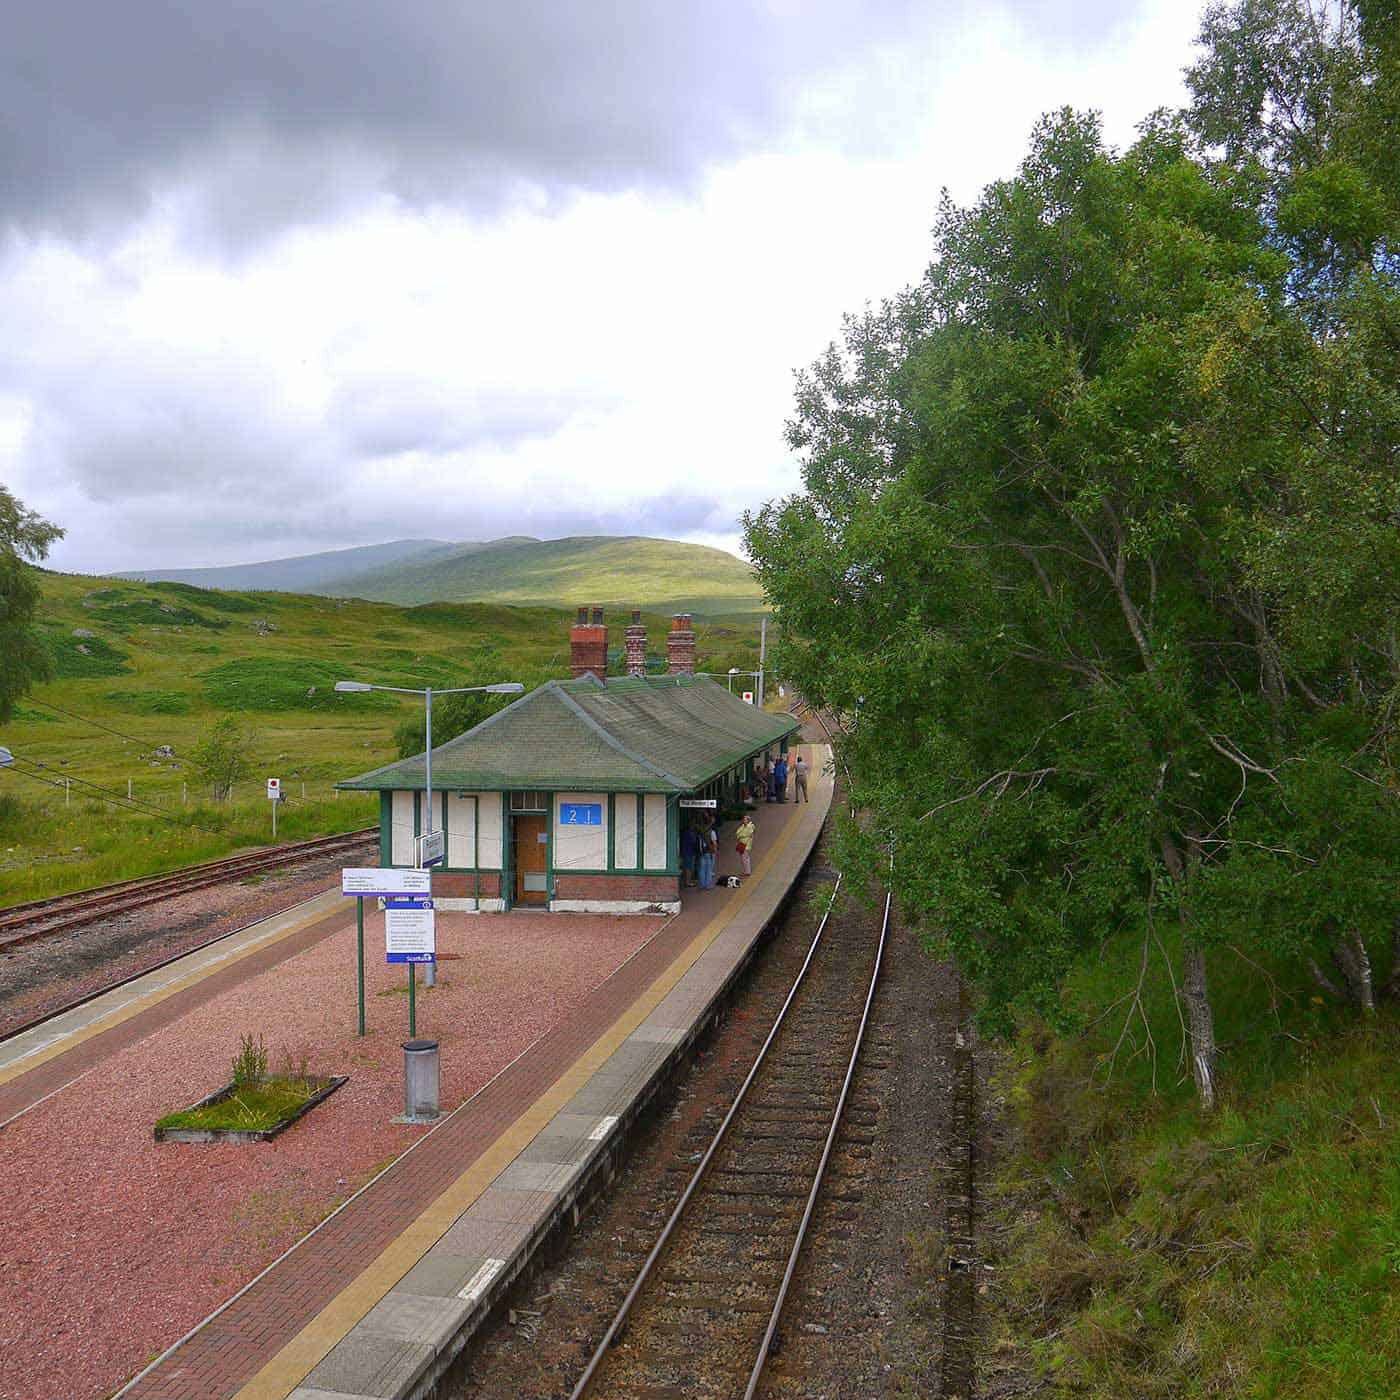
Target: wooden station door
531,858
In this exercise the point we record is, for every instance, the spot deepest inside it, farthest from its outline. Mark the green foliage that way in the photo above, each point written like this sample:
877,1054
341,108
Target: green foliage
250,1064
455,714
73,657
1097,559
149,702
14,814
221,757
267,684
256,1106
24,539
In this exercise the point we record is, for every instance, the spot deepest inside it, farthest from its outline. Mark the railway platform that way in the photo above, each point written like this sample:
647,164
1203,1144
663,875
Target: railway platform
378,1298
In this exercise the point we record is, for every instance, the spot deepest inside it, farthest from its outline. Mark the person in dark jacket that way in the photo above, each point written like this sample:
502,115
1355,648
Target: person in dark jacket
780,777
690,854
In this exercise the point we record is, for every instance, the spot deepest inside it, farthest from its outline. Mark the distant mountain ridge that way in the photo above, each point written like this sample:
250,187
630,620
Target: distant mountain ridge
299,573
616,570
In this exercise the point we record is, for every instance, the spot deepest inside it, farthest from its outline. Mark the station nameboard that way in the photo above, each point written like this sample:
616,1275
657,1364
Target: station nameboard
580,814
370,881
699,802
432,847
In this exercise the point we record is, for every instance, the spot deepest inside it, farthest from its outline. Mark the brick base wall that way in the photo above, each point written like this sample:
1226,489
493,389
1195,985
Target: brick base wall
449,886
655,889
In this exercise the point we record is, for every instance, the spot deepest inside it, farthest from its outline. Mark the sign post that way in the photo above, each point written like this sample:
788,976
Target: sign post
369,882
274,795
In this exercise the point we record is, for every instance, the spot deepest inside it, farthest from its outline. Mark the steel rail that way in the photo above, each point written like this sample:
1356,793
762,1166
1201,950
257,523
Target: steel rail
771,1331
62,912
616,1325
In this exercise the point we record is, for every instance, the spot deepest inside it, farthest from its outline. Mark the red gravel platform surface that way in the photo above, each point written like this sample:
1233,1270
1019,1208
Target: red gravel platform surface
115,1245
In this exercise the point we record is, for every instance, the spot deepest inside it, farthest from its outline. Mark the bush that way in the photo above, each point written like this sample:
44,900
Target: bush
250,1064
152,611
221,758
271,684
76,657
149,702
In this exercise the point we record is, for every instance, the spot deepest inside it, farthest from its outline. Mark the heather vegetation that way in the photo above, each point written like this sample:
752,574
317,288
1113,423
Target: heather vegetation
1098,562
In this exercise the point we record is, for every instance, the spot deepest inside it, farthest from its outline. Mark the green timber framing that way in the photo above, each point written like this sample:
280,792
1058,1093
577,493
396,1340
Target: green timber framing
605,743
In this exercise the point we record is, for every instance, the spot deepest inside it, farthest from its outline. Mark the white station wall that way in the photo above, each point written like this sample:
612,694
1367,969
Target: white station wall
625,842
401,828
580,847
654,831
462,808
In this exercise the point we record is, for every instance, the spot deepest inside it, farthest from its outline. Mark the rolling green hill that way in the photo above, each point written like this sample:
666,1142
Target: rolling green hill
142,668
661,576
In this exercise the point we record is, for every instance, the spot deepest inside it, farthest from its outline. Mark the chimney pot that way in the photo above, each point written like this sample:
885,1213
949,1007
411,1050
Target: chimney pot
635,643
680,646
588,645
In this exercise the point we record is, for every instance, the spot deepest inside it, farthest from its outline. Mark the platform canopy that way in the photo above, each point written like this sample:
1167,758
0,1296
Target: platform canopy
628,734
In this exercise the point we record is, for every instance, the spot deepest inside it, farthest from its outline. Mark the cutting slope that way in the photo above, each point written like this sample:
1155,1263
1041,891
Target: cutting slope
659,575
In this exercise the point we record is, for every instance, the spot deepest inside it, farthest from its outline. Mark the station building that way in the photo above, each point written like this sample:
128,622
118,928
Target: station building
572,797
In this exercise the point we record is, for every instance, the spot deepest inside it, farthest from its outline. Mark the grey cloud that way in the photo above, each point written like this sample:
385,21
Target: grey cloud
389,416
278,111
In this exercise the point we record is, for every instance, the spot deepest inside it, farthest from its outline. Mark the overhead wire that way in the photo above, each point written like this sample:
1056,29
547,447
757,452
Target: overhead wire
110,795
83,719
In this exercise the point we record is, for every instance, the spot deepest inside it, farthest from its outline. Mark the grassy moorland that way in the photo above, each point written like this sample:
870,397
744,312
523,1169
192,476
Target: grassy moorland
1148,1250
143,667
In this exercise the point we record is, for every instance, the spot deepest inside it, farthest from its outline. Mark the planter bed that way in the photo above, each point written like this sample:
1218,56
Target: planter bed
178,1127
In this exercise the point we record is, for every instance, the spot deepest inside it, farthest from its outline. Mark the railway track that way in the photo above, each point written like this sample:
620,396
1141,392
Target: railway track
703,1314
43,918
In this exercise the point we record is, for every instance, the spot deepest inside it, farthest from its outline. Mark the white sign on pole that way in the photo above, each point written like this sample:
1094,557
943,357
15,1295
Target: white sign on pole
432,847
748,697
410,932
274,788
699,802
370,881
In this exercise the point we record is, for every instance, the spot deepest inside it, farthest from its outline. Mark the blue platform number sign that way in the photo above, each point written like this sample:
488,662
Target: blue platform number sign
580,814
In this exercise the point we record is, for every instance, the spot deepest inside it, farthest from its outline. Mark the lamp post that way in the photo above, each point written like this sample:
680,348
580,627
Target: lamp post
501,688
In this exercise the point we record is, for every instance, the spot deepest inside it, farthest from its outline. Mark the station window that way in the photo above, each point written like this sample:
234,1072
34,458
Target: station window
529,802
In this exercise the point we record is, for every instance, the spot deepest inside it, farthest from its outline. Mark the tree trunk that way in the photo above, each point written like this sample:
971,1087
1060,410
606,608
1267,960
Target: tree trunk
1195,994
1350,955
1200,1021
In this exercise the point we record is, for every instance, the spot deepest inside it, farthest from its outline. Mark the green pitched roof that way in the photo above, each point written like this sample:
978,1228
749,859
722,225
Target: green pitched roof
630,734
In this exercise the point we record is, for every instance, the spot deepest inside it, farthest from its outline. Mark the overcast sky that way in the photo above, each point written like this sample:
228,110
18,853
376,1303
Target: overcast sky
291,275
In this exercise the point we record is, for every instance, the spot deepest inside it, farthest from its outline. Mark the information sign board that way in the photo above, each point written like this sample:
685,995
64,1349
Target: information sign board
748,697
709,802
432,847
580,814
410,931
371,882
274,788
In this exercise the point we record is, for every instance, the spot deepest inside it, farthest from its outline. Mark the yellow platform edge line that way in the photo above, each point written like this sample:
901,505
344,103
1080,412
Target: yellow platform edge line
121,1014
285,1371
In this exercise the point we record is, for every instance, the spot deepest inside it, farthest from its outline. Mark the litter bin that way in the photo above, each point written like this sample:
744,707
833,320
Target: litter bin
420,1080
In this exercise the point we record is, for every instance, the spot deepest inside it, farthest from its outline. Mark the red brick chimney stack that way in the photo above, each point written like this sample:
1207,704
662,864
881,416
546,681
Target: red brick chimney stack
635,641
680,646
588,645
